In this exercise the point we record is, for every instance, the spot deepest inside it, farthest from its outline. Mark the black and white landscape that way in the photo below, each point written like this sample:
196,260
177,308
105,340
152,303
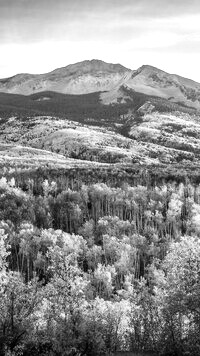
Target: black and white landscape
99,180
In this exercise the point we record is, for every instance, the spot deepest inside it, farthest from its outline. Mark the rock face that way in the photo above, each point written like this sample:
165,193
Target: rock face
110,79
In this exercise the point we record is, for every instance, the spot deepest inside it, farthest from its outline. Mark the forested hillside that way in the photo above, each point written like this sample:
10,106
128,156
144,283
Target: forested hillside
91,264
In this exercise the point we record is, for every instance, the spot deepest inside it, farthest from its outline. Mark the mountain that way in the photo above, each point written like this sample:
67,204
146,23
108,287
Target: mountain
115,82
155,82
80,78
152,81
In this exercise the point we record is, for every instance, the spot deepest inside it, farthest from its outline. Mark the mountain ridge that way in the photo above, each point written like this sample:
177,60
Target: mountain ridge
91,76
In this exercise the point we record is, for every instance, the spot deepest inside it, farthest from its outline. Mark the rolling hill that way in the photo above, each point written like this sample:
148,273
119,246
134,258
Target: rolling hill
158,139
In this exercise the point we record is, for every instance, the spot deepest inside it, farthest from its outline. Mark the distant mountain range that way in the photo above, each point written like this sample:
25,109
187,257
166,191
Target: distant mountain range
115,83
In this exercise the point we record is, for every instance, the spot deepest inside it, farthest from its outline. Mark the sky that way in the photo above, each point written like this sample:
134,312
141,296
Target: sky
37,36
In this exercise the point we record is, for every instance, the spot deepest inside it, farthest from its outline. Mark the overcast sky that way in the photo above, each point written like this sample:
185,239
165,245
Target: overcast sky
37,36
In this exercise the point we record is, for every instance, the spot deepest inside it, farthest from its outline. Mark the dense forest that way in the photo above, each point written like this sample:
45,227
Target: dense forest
92,264
82,108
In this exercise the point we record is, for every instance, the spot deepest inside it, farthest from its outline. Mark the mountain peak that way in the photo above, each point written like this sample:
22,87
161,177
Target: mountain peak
91,66
149,69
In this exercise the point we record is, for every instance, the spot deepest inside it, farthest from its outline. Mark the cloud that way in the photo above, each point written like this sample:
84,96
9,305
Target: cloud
32,20
161,8
40,35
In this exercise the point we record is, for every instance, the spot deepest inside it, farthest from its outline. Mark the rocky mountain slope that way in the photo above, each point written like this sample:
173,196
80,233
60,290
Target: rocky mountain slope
109,79
155,82
80,78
